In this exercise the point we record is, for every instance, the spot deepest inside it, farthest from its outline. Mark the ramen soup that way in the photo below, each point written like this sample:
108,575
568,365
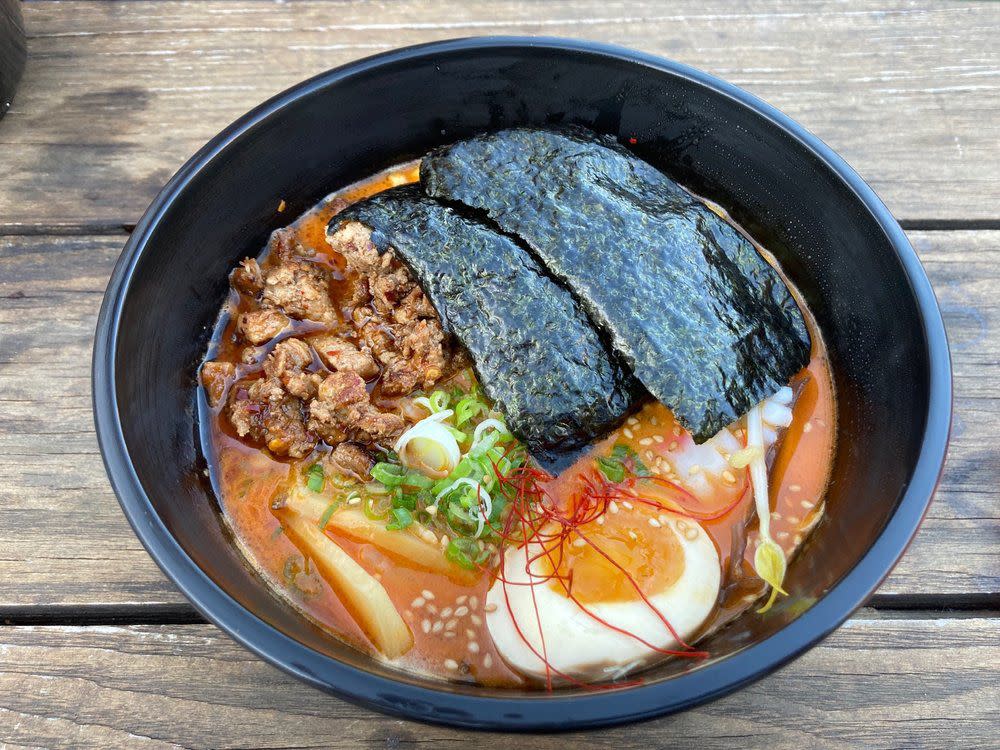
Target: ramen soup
523,413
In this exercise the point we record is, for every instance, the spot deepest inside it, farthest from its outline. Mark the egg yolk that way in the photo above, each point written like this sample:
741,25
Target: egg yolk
642,554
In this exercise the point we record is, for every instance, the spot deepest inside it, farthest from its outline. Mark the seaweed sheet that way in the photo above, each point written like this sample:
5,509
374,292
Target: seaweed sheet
535,353
706,324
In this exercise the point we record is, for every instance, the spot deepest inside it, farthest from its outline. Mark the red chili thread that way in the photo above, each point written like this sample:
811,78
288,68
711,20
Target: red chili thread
541,523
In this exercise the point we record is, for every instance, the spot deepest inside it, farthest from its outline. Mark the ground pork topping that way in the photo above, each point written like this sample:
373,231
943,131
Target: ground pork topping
342,356
350,459
287,362
315,387
260,326
262,411
342,410
399,325
216,376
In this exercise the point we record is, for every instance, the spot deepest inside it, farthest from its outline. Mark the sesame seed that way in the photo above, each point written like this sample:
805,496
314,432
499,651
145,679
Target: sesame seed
600,520
632,535
448,634
613,506
451,664
627,505
461,599
461,611
426,626
578,543
491,607
655,469
446,613
694,470
431,509
646,441
806,504
473,647
654,523
470,634
797,540
729,477
654,421
417,603
476,619
473,602
672,446
431,608
677,431
795,488
632,421
487,661
437,627
807,427
648,455
354,501
776,516
444,540
663,519
450,625
782,535
793,519
428,595
628,433
658,438
429,536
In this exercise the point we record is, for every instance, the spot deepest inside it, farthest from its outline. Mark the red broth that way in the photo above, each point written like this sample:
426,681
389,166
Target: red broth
446,618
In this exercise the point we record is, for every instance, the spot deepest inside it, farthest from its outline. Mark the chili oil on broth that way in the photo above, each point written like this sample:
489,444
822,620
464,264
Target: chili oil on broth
248,479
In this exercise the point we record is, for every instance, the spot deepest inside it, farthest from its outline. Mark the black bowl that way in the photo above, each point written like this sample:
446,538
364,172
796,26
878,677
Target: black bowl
830,231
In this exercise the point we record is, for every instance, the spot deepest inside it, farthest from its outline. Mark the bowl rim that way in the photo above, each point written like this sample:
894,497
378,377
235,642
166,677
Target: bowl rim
405,696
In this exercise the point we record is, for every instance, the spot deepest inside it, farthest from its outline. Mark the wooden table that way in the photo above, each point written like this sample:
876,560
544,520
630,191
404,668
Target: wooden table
97,648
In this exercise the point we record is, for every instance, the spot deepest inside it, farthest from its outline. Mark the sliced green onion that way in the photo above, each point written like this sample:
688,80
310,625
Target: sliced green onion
391,475
611,468
436,402
325,518
401,518
468,408
314,477
368,506
466,553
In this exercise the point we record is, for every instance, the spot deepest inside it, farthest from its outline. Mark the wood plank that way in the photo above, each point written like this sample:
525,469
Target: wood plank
117,95
64,541
875,683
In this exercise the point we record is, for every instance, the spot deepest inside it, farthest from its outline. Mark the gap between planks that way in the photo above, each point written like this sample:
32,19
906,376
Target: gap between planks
885,606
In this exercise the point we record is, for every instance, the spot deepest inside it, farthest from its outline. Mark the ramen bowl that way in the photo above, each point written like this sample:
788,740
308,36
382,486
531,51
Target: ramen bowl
831,234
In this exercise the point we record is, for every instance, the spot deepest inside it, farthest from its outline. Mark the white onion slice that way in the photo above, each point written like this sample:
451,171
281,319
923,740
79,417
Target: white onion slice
429,447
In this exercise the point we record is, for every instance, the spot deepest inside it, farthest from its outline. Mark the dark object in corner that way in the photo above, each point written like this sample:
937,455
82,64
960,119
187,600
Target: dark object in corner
13,51
536,355
703,320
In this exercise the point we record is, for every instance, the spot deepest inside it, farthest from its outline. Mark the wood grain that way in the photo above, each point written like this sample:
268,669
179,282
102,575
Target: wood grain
875,683
65,541
117,95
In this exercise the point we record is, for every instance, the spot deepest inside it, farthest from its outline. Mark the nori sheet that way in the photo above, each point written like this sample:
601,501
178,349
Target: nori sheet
705,323
537,357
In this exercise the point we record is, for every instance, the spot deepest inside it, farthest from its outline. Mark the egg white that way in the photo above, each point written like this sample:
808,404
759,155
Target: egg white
574,642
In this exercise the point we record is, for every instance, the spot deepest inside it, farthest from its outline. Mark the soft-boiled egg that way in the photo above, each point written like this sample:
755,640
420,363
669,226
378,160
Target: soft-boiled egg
606,623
